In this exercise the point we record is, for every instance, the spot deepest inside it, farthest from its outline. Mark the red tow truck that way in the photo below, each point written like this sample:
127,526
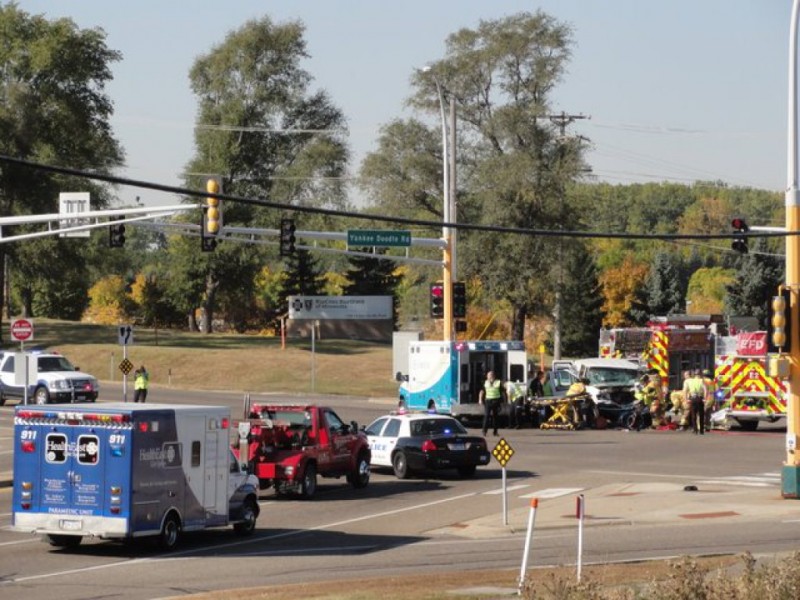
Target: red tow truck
289,445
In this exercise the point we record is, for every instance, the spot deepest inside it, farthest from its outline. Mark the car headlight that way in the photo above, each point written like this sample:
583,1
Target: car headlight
59,384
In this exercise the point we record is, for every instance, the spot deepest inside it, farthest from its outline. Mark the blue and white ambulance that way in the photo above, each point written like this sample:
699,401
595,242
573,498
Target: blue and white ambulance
447,377
124,471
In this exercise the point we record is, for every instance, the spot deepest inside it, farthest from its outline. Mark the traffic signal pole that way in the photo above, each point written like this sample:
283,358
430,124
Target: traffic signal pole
790,474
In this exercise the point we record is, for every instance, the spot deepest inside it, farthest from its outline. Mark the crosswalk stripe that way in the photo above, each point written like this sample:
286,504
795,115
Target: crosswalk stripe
762,480
552,493
509,488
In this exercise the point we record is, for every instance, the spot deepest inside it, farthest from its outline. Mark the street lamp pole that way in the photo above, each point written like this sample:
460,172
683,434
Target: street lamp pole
448,263
790,473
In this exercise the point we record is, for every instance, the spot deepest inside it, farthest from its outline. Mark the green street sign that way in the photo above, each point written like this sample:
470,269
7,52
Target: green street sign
378,237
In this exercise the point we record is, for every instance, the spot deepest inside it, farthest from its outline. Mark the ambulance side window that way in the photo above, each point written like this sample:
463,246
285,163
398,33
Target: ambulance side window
195,454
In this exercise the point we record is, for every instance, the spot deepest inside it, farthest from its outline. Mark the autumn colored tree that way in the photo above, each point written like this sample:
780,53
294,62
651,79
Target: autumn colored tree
619,286
707,290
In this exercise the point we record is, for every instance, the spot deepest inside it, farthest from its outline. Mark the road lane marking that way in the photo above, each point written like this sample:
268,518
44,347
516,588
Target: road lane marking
183,555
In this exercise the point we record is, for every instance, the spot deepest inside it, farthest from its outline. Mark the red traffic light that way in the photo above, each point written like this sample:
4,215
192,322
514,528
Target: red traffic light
739,224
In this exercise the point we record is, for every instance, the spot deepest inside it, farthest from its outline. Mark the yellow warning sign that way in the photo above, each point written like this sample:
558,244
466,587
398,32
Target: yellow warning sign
125,366
503,452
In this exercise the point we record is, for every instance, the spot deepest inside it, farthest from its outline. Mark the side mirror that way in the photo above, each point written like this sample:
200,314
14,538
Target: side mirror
398,376
353,427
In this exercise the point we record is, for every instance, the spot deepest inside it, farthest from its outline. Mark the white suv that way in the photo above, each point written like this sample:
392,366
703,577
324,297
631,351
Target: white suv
57,381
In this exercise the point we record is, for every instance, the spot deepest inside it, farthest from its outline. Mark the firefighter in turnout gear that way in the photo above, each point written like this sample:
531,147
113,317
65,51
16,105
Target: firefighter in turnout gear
654,400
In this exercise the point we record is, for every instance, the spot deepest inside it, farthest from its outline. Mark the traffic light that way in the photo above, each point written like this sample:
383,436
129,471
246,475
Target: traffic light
116,235
212,217
287,237
739,242
780,323
437,300
459,300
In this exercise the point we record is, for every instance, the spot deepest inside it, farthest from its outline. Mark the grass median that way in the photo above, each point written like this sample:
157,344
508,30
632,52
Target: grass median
247,363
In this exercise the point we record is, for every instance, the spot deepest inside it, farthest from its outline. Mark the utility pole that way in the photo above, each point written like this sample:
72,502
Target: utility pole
790,473
561,121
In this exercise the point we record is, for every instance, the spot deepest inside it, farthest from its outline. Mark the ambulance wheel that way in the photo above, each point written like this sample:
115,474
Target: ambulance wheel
170,533
64,541
308,487
2,398
748,425
41,395
249,515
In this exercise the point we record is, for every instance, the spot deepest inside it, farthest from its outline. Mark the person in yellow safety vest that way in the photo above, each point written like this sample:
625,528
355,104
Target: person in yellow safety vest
695,390
491,396
515,392
141,381
710,399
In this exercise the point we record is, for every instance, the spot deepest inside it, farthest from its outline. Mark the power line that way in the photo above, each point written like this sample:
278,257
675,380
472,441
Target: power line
384,219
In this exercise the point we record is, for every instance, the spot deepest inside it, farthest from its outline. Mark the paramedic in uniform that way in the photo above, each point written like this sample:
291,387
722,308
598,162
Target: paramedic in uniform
491,396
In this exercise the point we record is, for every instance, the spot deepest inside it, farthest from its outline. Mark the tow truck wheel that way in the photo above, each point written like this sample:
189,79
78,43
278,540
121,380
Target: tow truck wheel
170,533
41,396
359,478
400,465
64,541
309,485
249,515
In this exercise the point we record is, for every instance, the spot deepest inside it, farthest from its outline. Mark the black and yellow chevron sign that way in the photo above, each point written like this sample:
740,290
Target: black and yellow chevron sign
503,452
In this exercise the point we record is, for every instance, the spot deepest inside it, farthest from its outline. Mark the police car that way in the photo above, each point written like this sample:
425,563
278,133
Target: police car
56,381
410,442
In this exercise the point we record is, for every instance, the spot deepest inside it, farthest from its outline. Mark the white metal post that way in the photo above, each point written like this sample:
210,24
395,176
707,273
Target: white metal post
528,537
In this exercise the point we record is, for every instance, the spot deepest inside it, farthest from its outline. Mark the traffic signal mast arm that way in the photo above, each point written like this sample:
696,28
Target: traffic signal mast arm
146,214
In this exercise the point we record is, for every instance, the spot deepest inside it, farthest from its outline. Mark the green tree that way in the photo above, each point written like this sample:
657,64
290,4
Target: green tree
517,163
53,109
582,303
664,296
267,134
303,277
756,281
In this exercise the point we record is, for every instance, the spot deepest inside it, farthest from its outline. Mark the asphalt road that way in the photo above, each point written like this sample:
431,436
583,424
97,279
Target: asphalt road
632,483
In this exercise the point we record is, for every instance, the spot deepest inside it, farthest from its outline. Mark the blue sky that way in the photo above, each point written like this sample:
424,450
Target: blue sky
676,91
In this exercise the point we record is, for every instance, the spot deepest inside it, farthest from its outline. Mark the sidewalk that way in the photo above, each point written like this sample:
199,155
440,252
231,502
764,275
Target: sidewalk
632,504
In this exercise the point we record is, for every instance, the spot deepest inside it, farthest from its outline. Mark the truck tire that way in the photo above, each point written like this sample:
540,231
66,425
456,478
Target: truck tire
400,465
308,486
170,533
748,425
359,477
41,395
249,515
64,541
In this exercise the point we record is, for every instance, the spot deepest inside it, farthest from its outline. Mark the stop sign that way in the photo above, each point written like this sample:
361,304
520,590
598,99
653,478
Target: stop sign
22,330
